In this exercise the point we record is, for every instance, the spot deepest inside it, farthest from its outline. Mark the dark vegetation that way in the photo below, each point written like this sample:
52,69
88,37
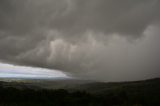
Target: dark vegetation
141,93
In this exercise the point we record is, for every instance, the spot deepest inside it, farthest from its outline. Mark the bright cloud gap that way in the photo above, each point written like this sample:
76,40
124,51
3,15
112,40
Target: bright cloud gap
14,71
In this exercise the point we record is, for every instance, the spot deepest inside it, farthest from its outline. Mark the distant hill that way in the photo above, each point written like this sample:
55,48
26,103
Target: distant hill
77,84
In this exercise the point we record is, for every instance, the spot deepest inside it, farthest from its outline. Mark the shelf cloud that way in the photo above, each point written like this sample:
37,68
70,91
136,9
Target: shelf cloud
107,40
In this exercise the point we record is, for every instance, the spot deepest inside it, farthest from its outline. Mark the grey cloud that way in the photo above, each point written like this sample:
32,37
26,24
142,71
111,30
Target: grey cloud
95,39
110,16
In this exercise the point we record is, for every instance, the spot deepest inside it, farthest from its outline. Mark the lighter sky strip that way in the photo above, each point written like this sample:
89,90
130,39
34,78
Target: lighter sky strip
15,71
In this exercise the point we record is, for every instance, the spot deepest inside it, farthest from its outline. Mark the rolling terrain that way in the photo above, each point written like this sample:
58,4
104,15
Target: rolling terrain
79,92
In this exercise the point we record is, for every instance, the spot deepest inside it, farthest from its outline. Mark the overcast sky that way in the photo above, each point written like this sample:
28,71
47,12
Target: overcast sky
106,40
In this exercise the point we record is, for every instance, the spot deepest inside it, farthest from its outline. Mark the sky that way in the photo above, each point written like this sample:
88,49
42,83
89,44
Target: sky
104,40
14,71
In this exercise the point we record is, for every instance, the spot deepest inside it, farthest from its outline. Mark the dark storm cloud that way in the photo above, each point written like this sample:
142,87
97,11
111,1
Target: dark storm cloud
126,17
98,39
